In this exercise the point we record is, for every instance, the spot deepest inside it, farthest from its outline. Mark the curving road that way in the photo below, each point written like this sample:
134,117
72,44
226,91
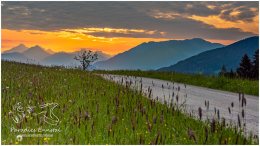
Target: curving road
191,98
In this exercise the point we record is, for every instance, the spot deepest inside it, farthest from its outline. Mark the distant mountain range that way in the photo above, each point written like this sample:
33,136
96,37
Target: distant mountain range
39,55
154,55
210,62
186,56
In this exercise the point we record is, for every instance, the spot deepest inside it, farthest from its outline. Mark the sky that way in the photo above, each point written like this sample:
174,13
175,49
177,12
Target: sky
114,27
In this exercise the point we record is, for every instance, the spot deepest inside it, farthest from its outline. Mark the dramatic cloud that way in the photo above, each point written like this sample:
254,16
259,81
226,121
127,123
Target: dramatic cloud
171,20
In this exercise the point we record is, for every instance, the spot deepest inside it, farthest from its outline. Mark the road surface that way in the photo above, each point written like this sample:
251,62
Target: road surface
192,98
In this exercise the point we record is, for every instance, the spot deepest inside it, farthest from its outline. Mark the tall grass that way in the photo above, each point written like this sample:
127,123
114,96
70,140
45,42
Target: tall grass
95,111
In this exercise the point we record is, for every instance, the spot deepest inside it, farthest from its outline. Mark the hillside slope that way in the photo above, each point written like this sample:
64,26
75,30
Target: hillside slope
154,55
210,62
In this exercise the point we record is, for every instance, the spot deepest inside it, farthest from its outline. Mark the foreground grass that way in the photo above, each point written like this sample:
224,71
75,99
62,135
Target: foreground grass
250,87
95,111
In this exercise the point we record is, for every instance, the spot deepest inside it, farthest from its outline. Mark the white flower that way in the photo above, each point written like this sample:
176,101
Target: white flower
10,113
19,137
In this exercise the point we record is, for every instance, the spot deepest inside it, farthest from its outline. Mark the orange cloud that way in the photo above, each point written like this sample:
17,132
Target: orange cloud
109,30
164,15
218,22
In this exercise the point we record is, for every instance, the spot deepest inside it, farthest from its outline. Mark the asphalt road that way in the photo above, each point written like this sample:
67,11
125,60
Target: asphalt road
191,98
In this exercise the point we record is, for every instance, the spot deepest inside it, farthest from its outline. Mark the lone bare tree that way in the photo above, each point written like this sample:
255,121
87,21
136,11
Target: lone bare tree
85,58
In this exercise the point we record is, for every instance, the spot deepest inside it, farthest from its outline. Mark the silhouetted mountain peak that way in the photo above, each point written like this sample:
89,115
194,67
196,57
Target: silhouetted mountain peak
21,45
19,48
36,47
36,52
197,39
153,55
210,62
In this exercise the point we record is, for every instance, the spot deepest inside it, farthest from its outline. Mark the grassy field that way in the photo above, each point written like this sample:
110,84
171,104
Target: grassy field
250,87
92,110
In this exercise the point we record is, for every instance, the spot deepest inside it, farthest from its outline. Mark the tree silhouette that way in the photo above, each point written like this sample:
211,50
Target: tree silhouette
245,68
255,68
85,58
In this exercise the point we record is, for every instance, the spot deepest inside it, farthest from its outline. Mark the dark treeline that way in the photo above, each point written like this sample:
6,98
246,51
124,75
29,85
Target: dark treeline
247,69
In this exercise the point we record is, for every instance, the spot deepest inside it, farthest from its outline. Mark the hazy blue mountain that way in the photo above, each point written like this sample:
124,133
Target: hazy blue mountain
20,48
154,55
21,53
103,56
14,56
210,62
67,59
50,51
41,56
36,53
61,58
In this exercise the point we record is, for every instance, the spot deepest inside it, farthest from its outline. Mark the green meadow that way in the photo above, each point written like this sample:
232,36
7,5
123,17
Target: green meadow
92,110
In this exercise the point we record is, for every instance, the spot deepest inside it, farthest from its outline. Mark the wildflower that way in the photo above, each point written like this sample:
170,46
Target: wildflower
87,116
114,119
46,139
191,135
218,114
10,113
243,100
232,104
213,125
154,119
19,137
200,112
238,119
243,113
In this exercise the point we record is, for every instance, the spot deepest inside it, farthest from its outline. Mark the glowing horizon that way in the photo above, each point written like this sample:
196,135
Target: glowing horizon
57,41
97,27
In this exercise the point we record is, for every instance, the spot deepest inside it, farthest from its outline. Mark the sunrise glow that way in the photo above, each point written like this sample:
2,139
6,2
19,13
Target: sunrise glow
68,41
